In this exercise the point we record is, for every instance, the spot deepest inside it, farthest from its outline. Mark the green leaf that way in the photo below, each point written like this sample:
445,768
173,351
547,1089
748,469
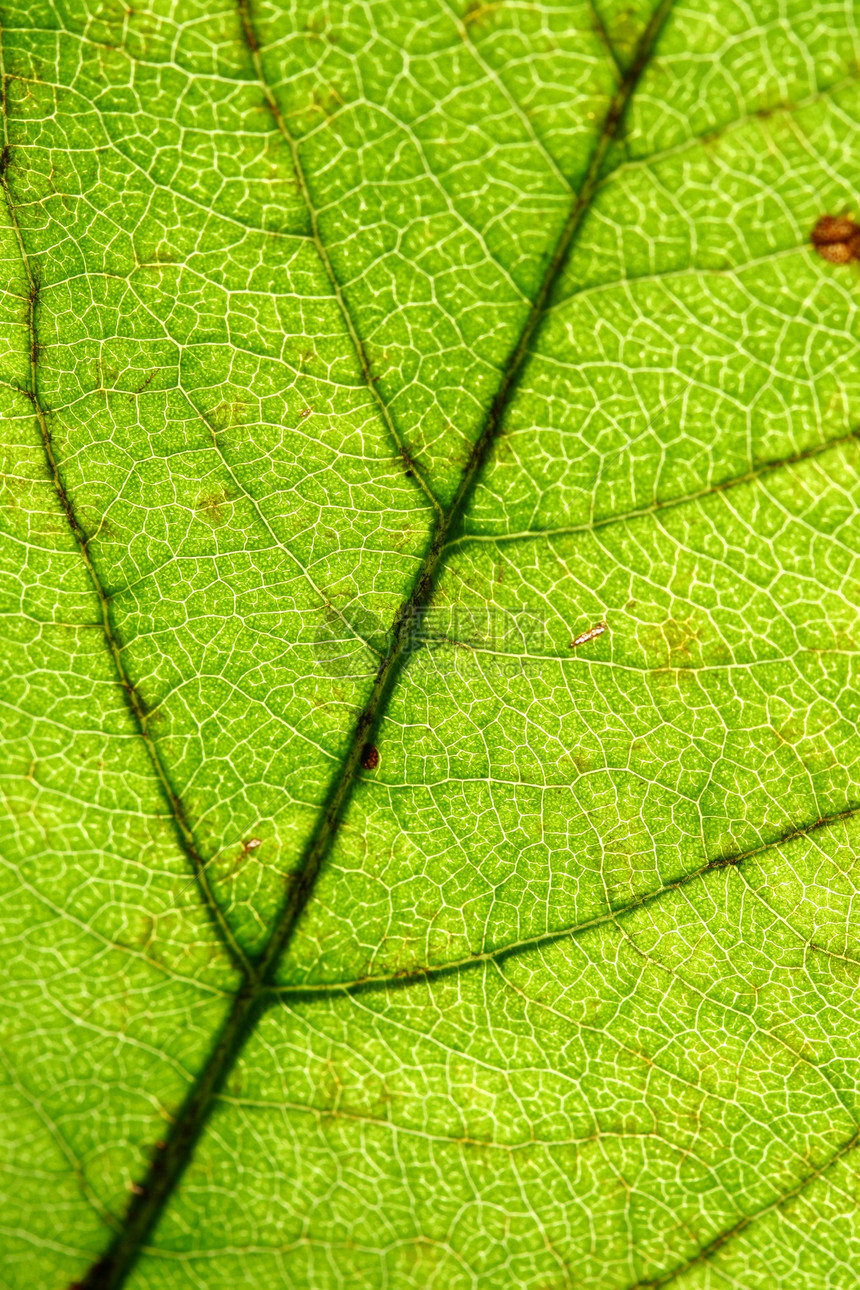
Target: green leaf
430,708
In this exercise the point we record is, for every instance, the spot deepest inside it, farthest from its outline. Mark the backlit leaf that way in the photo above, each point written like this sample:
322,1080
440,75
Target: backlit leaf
430,701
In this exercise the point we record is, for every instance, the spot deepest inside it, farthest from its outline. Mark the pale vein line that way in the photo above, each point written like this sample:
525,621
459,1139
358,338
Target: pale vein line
261,515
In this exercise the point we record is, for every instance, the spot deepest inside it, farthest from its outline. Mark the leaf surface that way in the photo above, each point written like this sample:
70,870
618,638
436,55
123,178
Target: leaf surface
458,384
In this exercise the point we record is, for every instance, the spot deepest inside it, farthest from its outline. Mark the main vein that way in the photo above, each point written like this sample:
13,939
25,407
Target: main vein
151,1195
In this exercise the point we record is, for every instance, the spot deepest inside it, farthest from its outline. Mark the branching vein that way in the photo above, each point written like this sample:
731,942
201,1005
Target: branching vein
155,1189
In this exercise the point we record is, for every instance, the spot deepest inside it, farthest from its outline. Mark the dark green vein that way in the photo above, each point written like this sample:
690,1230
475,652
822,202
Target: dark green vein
431,972
358,345
602,33
664,504
720,1241
785,107
135,704
166,1169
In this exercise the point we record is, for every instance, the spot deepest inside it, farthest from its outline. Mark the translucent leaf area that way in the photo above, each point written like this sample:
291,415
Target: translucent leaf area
430,568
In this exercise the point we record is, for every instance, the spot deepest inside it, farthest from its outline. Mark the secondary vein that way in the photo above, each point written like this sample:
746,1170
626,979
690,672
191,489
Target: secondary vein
432,971
322,251
136,706
664,504
723,1238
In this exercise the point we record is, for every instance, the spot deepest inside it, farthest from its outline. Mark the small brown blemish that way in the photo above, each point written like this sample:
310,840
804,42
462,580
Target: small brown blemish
584,637
147,380
214,506
478,13
836,238
369,757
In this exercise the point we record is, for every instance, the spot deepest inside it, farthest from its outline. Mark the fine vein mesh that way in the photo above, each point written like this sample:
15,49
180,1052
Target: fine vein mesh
668,1096
595,1112
696,360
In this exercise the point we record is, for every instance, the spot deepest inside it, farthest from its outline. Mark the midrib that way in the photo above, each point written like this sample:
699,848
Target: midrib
155,1189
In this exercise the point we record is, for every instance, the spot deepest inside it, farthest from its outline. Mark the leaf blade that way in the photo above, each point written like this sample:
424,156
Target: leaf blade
221,738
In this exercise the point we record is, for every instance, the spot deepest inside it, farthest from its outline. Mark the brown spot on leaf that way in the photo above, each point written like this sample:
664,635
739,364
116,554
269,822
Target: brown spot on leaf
146,381
369,757
683,643
216,506
836,238
228,414
479,14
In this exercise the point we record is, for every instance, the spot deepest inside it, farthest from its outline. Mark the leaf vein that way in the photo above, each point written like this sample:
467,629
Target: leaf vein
429,972
184,833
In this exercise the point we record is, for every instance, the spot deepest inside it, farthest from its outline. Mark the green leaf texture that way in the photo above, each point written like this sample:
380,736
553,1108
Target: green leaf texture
358,359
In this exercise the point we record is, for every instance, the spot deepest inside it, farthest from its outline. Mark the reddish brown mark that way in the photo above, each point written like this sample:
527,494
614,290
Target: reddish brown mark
836,238
369,757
